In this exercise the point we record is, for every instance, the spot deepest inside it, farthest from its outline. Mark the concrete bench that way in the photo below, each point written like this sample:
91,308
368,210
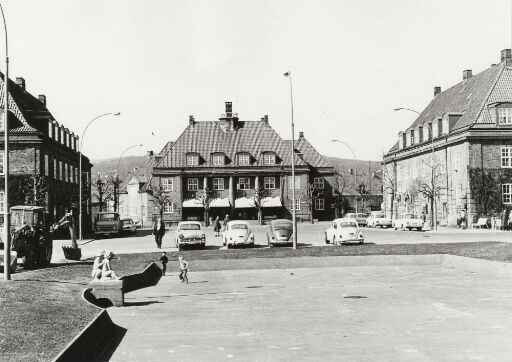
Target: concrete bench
482,222
114,290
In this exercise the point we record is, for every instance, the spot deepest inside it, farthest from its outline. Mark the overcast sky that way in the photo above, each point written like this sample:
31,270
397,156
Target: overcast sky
352,62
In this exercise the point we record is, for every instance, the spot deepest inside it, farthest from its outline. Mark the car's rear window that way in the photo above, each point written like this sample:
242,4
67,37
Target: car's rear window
286,226
361,215
347,224
410,216
239,226
190,227
108,217
379,216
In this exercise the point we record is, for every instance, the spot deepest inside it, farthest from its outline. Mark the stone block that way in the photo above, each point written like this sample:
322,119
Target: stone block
111,290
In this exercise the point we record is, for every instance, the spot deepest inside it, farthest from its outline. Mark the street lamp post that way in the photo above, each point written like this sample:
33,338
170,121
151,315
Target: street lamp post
116,195
434,203
6,235
355,165
80,169
294,206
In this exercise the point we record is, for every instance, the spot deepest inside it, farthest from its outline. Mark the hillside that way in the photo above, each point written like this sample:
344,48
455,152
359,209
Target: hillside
108,166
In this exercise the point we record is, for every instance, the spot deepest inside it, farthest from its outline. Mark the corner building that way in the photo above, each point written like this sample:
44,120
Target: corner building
234,158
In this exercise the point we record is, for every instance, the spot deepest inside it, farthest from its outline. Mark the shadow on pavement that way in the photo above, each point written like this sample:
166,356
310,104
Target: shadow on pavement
140,304
113,344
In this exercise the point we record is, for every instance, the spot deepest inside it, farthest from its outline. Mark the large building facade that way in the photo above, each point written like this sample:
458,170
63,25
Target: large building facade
243,164
44,157
459,147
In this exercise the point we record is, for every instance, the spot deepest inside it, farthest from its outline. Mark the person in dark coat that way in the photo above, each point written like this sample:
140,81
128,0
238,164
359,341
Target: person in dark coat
216,226
159,231
226,220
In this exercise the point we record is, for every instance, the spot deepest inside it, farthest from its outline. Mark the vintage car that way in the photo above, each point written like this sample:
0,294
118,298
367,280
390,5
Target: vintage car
108,223
237,233
129,226
342,231
378,219
281,231
408,221
190,233
360,217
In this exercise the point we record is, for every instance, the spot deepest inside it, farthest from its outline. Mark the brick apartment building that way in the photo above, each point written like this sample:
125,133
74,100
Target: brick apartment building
234,158
469,129
42,151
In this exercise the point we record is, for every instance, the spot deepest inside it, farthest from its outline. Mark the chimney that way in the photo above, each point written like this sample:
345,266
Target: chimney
506,57
150,153
265,118
191,121
301,134
437,90
229,109
42,99
21,82
468,73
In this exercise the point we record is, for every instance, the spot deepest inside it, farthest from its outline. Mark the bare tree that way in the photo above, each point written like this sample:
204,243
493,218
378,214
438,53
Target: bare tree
430,186
389,185
33,189
205,198
364,193
259,194
313,193
115,182
102,191
160,196
338,189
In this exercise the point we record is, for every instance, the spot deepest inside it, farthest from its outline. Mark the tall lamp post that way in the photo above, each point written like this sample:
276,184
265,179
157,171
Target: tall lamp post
294,206
6,235
80,206
355,165
116,195
434,203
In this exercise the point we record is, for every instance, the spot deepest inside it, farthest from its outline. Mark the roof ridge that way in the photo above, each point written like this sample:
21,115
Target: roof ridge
169,149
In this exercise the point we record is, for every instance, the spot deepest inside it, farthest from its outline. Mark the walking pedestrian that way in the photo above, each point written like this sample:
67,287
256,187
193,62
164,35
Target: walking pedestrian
159,231
164,259
225,222
183,269
216,226
210,220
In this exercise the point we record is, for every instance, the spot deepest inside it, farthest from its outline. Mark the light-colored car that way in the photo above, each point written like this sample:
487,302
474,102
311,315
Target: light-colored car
129,226
190,233
342,231
408,221
360,217
237,233
378,219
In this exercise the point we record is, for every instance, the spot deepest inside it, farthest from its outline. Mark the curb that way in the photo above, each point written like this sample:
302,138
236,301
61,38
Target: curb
488,267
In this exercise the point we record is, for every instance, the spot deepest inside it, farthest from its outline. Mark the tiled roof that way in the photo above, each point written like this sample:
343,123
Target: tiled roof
502,92
20,122
207,137
309,153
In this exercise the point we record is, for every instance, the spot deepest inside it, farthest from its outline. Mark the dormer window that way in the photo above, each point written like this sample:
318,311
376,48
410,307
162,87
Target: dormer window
412,137
193,159
218,159
505,116
269,159
244,159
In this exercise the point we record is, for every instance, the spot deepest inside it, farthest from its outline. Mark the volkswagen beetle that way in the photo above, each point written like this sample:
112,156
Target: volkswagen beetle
344,230
237,233
281,231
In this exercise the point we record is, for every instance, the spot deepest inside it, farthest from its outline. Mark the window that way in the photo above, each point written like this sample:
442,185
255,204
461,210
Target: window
430,131
218,159
404,140
506,191
269,159
504,115
218,183
65,172
244,159
62,136
2,163
319,204
54,166
71,174
2,201
167,184
168,207
297,204
243,183
439,127
318,182
61,171
192,160
297,182
50,129
412,137
193,184
269,183
506,157
133,211
420,134
46,165
76,175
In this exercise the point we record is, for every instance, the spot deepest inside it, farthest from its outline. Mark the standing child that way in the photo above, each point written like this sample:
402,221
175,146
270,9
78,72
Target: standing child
164,259
183,269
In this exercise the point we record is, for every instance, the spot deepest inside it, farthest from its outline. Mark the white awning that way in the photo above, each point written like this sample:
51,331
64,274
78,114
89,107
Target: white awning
244,202
192,203
218,202
271,202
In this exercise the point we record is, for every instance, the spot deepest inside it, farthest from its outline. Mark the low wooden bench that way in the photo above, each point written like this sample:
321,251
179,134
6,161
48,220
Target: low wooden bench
482,222
114,290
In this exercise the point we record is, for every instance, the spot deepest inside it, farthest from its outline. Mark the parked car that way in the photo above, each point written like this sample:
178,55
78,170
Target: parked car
344,230
237,233
408,221
190,233
108,223
281,231
360,217
129,226
378,219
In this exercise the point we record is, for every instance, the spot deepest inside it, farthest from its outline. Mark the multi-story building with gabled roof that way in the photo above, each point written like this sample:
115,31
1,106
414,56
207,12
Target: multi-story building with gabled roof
463,141
233,158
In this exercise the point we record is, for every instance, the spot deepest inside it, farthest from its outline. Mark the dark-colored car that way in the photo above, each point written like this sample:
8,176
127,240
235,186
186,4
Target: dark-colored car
129,226
108,223
281,231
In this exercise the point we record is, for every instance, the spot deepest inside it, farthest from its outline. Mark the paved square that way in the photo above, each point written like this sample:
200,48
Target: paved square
390,313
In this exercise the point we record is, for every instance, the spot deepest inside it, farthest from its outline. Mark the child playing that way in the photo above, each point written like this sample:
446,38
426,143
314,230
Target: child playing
183,269
164,259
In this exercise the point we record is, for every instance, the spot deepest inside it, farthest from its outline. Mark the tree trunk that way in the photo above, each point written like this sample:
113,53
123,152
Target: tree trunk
206,218
311,211
260,217
392,204
432,221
